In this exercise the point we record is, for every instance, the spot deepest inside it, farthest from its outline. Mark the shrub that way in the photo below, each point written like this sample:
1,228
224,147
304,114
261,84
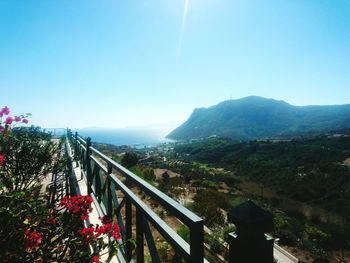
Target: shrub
29,156
129,159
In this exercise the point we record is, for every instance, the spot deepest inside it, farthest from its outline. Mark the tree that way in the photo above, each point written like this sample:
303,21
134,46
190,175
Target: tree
165,177
148,174
130,159
207,203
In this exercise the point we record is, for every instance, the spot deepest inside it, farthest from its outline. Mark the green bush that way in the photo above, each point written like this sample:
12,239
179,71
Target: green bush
129,159
29,156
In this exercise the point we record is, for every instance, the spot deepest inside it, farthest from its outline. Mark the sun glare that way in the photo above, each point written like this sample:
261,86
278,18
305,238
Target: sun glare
183,24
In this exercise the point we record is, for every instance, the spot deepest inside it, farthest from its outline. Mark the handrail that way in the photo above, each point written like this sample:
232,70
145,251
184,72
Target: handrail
102,184
55,132
186,216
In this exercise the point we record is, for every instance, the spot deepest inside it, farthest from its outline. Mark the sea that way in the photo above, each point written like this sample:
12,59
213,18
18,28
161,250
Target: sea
136,137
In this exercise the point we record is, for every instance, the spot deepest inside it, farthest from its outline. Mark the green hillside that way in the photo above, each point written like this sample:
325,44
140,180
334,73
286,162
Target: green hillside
256,117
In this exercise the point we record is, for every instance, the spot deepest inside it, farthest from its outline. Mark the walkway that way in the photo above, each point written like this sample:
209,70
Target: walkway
96,213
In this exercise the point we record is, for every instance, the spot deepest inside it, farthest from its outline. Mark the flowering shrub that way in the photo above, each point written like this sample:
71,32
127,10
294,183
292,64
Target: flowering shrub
8,121
26,153
79,205
4,112
29,230
33,233
32,239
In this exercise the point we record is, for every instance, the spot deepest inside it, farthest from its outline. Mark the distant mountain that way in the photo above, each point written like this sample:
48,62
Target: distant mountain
256,117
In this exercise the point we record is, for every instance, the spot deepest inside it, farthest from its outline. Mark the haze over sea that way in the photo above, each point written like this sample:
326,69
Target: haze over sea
138,137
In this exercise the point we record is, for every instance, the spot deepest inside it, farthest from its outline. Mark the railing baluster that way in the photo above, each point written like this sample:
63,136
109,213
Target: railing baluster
118,207
76,153
88,164
150,242
139,236
98,186
109,191
128,228
197,242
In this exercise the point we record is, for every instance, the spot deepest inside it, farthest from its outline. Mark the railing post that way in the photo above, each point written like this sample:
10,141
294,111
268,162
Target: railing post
197,242
139,236
250,243
88,164
69,163
128,228
231,240
76,154
109,191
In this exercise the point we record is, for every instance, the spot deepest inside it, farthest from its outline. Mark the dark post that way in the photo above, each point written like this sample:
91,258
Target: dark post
69,163
76,154
88,164
98,191
196,242
139,236
128,228
109,191
249,244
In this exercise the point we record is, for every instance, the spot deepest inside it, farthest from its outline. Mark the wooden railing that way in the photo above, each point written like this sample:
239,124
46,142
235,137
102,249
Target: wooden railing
108,184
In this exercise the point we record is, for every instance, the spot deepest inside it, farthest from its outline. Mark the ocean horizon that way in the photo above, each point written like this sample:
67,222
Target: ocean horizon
138,137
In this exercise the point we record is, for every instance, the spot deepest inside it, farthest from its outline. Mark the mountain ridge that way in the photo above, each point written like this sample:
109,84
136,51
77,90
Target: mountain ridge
256,117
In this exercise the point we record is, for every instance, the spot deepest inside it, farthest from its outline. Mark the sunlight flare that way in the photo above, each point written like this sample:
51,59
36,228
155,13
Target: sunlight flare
183,25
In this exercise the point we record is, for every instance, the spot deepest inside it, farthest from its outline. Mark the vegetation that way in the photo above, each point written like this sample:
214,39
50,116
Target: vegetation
256,118
29,157
129,159
30,230
306,170
208,203
207,176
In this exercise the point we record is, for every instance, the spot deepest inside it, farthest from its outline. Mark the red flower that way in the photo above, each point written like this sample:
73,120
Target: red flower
105,220
51,220
17,119
32,239
94,259
25,121
108,228
88,233
79,205
2,159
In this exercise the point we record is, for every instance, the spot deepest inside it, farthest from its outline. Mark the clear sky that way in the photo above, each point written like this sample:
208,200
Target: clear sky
118,63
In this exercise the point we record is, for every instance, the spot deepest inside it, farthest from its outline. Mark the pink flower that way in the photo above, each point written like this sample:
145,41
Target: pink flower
9,120
2,159
25,121
5,110
32,239
94,259
17,119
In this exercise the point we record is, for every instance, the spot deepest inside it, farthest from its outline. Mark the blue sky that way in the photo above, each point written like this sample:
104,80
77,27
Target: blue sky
119,63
